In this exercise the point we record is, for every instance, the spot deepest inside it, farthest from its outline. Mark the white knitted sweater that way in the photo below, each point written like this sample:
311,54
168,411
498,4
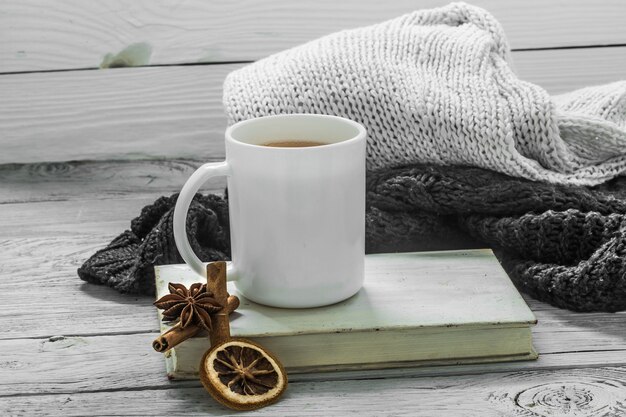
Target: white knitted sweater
436,86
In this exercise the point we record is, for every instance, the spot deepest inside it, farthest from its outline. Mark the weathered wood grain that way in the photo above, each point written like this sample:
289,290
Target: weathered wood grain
39,35
176,112
59,181
63,219
563,392
67,364
563,71
118,114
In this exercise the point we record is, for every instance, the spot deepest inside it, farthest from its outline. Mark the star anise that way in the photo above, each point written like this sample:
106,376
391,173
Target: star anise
189,306
245,370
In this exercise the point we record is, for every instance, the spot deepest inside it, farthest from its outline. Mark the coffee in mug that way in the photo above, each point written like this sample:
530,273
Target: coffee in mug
293,144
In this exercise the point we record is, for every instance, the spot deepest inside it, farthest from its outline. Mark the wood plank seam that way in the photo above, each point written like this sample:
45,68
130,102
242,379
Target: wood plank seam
243,62
80,34
322,378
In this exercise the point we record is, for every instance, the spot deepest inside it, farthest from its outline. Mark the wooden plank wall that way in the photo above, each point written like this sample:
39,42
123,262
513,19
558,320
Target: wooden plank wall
174,111
69,34
82,150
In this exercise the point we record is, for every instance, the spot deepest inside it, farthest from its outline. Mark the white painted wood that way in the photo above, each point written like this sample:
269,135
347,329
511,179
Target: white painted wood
566,70
116,114
176,112
101,180
563,392
67,364
40,35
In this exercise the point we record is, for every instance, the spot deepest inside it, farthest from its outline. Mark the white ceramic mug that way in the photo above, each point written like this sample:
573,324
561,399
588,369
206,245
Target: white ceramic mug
297,214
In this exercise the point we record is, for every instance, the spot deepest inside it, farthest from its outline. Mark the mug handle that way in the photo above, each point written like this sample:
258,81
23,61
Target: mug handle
191,187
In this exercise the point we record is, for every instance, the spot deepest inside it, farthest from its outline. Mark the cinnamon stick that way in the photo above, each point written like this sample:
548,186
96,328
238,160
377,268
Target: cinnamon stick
173,337
216,284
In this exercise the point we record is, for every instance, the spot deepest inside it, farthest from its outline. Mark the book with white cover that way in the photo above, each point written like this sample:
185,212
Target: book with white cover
422,308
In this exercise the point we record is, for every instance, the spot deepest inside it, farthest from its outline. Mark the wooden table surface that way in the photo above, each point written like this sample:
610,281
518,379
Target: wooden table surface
83,149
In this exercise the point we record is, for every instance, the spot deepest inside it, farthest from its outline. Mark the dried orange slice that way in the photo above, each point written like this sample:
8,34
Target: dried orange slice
242,375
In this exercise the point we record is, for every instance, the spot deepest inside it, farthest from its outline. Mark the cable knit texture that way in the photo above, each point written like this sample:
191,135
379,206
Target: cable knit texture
127,263
562,244
437,86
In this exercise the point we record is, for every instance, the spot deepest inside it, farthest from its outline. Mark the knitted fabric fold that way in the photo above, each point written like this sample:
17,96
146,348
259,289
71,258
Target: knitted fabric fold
127,263
565,245
436,86
562,244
